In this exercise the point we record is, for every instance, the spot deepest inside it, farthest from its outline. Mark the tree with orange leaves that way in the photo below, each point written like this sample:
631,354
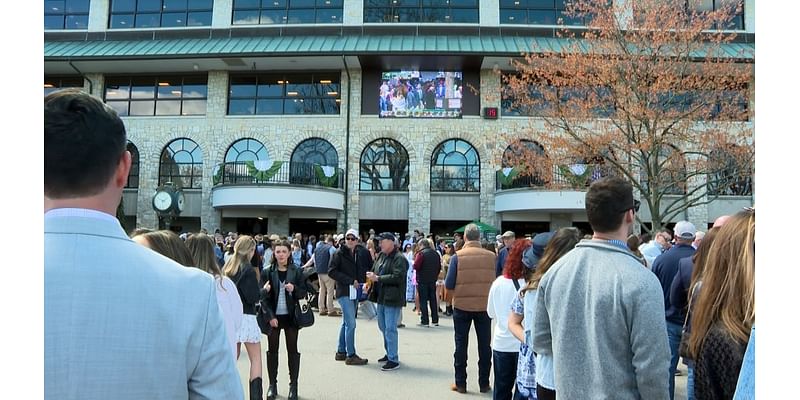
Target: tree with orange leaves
656,91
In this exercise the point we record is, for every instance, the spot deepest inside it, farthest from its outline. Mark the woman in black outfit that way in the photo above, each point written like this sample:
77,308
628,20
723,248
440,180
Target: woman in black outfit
282,285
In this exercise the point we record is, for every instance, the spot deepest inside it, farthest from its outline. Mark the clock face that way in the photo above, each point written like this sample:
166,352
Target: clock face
181,201
162,201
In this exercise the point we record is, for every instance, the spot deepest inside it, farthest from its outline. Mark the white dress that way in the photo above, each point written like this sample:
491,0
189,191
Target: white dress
231,306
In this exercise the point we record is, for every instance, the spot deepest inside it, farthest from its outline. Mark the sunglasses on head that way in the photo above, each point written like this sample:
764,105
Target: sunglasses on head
351,238
636,204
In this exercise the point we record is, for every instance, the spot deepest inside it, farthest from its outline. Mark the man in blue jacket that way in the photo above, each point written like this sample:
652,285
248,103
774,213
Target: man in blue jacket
666,267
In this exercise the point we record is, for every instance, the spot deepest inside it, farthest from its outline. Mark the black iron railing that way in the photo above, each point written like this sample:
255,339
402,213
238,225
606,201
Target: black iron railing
569,177
278,172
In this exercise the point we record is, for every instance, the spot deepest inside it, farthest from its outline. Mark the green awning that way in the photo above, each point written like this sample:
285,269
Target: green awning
485,228
320,45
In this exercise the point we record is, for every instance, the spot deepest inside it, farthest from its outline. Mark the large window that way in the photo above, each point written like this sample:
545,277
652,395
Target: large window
182,164
736,6
276,94
66,14
311,157
126,14
246,150
455,167
269,12
521,165
54,83
438,11
731,173
536,12
133,174
152,95
384,166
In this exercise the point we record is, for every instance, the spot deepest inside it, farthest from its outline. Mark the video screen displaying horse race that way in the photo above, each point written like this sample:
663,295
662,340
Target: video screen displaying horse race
420,94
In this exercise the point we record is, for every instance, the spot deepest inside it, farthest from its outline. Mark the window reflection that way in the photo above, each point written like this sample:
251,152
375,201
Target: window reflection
181,163
69,14
284,94
270,12
126,14
455,167
147,96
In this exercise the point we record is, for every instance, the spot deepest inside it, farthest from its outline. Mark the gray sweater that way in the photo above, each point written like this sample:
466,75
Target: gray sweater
600,313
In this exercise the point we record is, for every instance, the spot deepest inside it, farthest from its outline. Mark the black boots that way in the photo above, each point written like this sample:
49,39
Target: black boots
256,390
294,371
272,373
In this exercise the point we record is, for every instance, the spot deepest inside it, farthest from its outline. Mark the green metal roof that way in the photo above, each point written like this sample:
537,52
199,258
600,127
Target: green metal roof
320,45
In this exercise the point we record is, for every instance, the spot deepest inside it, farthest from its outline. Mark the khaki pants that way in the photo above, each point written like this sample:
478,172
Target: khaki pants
326,293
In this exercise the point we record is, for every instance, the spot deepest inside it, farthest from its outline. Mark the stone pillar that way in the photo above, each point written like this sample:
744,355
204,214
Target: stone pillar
146,216
278,222
222,14
698,215
419,192
353,12
352,159
750,16
489,13
217,103
98,15
560,220
96,84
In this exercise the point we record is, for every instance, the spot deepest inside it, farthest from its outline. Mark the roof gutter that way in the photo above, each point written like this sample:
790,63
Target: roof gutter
347,144
91,85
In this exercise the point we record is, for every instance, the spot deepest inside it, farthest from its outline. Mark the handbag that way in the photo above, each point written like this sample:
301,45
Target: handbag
683,347
303,315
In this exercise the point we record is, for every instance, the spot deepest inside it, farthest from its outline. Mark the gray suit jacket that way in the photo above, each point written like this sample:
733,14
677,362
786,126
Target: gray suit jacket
124,322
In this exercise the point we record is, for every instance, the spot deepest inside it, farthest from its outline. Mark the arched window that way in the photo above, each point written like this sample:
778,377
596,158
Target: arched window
455,167
133,174
384,166
308,154
730,172
521,165
246,150
182,164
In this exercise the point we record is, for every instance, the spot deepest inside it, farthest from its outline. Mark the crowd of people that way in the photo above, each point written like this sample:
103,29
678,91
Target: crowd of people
608,316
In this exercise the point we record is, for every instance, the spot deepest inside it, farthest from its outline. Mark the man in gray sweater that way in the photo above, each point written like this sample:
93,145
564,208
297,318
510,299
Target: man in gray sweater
599,312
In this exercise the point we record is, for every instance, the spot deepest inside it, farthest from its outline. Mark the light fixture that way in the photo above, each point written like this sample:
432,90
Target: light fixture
322,222
176,92
163,83
49,85
261,218
195,67
325,81
332,93
291,93
280,82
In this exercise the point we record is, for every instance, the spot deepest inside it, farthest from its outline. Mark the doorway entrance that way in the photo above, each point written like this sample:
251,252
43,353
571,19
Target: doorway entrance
525,228
312,226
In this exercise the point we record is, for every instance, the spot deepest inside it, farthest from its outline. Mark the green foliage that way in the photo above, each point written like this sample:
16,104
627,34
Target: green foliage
324,180
575,180
263,175
507,181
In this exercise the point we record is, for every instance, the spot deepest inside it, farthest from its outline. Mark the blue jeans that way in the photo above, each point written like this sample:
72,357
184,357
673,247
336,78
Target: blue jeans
387,323
462,320
690,384
347,334
505,374
674,332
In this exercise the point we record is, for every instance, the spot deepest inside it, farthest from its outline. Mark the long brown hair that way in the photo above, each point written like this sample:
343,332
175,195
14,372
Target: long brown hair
281,243
727,296
562,242
700,257
168,244
241,256
201,246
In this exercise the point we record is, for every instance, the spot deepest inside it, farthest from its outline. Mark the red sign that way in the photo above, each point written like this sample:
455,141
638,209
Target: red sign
490,112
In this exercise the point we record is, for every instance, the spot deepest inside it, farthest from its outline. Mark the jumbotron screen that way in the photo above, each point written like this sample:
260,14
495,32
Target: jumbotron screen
420,94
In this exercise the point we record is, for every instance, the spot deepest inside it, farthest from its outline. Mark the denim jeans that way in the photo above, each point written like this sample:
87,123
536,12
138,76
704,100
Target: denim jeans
462,320
505,374
690,384
347,334
674,332
387,323
427,295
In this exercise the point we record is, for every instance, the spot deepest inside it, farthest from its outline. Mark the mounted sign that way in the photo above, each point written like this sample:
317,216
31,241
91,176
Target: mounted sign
490,112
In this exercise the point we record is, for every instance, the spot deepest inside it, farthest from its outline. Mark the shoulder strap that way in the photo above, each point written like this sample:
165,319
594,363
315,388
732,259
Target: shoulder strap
516,284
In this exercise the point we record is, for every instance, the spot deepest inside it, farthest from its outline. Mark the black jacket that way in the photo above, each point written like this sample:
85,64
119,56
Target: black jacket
247,285
294,276
347,266
390,289
428,272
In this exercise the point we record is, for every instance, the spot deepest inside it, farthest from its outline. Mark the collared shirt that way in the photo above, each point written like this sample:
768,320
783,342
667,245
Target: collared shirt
615,242
80,212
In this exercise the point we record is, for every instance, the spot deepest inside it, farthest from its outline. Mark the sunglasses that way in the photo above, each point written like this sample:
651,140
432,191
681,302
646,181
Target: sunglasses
351,238
636,204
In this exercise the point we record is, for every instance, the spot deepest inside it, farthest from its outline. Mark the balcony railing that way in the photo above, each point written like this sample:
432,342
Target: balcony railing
278,173
564,177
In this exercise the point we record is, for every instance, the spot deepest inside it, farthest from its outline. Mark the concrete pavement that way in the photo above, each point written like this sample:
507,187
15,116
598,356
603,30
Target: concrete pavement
426,363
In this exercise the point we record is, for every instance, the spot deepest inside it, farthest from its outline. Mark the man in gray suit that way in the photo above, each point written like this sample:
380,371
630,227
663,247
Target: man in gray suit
121,321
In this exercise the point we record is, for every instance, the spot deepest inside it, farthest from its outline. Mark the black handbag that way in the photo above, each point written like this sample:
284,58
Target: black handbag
303,315
263,317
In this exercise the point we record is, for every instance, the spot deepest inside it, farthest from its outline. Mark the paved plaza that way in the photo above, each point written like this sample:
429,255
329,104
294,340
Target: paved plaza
426,363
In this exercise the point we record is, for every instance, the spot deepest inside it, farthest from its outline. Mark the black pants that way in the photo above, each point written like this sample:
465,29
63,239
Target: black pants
462,320
274,338
427,294
544,393
505,374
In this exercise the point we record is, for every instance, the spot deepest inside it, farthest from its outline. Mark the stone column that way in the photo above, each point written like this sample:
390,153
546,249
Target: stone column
560,220
489,13
96,84
149,154
98,15
222,14
278,222
216,109
353,12
698,215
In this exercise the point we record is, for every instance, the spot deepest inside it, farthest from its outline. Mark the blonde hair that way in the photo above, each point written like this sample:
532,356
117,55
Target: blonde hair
201,247
727,295
241,255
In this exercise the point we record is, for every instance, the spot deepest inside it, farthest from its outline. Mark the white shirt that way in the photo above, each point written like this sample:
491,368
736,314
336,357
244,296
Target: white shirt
231,306
501,295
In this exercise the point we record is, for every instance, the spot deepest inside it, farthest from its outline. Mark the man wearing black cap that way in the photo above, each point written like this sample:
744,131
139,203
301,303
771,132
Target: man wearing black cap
388,278
602,312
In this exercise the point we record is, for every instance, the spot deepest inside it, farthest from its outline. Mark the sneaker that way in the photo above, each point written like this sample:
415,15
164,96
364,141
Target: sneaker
435,324
323,313
459,389
401,325
355,360
341,356
383,359
390,366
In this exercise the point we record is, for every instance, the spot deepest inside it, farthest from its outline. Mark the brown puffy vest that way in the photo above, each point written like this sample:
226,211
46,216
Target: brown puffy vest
474,277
